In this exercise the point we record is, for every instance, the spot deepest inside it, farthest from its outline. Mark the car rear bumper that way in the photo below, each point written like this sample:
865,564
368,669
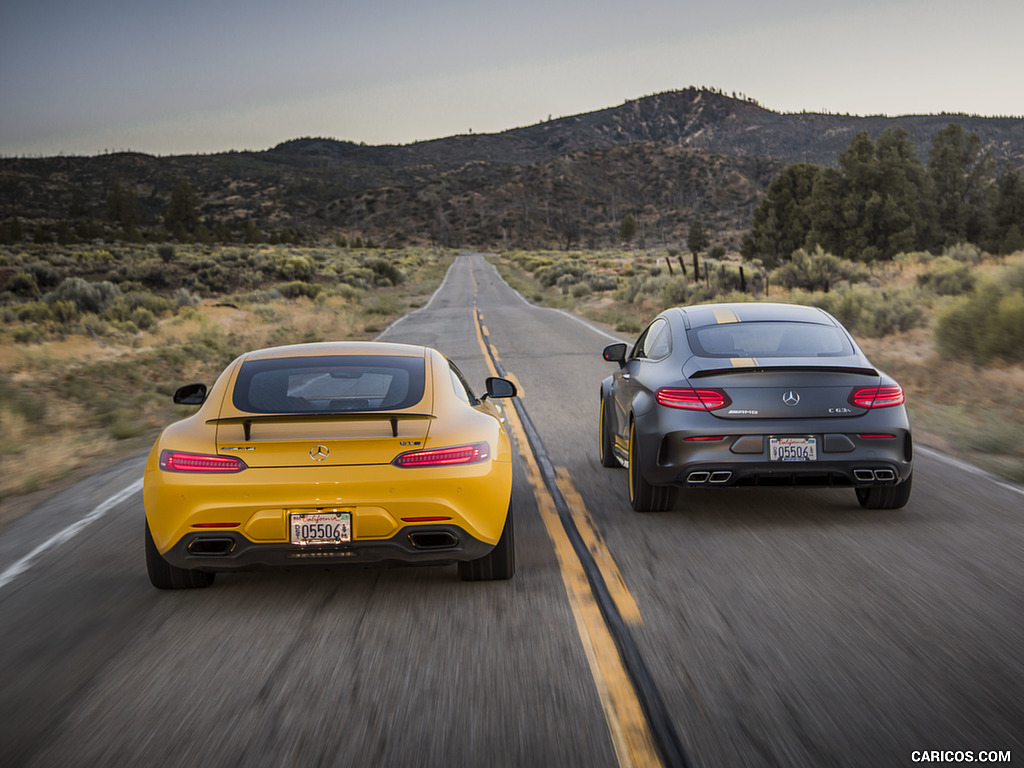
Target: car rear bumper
873,455
413,545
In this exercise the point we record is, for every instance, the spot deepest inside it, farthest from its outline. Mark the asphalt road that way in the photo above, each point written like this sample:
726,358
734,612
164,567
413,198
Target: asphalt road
779,627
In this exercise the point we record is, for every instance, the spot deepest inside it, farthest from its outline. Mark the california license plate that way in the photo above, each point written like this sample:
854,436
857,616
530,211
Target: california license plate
793,448
320,527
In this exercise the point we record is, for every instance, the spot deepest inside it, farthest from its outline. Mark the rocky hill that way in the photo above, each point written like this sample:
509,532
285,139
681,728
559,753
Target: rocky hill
667,159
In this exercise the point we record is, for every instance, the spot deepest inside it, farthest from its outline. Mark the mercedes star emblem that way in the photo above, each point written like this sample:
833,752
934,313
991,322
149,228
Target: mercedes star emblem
791,398
319,453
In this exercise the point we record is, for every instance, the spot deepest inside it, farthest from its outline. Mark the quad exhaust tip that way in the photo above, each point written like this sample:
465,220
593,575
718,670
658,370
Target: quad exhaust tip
874,475
701,477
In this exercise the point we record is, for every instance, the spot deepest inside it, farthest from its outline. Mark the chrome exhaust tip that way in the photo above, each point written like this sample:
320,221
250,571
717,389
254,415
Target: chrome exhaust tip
720,477
698,477
885,475
864,475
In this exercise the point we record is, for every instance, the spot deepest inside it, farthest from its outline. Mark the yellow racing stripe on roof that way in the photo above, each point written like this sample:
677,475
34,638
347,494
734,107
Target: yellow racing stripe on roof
725,316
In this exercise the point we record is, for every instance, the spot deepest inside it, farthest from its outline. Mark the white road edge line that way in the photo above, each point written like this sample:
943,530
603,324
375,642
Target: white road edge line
398,320
101,509
954,462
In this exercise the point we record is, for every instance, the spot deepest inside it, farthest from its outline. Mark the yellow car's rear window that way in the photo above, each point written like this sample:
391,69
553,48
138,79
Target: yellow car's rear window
329,384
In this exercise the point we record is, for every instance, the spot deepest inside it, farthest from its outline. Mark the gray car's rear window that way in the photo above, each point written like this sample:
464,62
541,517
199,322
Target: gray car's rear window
769,339
329,384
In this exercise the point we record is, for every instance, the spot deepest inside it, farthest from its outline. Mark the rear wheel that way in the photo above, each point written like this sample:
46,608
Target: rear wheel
499,563
607,454
642,495
886,496
163,575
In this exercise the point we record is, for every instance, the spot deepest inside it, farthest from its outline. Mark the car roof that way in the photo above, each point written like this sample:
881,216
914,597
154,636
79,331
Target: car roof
334,348
752,312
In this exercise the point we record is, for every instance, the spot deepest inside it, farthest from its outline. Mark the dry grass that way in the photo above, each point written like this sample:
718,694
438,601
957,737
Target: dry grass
70,402
975,413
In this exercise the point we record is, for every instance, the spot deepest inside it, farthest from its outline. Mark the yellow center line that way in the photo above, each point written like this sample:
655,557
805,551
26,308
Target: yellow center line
624,602
627,725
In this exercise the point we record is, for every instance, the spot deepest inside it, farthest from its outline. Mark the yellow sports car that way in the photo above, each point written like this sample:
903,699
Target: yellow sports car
330,454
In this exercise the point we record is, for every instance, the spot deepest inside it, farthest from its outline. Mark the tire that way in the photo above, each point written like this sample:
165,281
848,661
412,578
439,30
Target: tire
887,496
163,575
607,453
499,563
642,495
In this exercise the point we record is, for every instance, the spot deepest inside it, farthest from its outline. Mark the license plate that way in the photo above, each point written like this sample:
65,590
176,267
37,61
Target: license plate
793,448
320,527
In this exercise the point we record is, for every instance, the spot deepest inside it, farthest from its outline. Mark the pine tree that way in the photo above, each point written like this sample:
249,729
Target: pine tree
182,216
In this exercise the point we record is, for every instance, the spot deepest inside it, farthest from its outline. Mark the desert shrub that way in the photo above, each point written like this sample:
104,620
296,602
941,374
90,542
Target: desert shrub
676,292
45,275
965,252
601,282
818,271
870,313
358,277
551,275
64,311
948,277
183,297
23,284
579,290
166,252
157,305
142,318
86,296
212,277
297,288
266,314
28,334
385,272
985,326
384,305
295,266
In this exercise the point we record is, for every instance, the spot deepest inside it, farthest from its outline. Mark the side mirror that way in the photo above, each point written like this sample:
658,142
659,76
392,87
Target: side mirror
500,387
190,394
615,353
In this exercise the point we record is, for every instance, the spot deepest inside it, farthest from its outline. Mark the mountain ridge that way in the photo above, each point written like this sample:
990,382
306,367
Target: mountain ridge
669,159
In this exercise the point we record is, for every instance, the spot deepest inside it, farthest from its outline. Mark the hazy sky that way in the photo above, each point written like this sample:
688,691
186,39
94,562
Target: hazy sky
187,76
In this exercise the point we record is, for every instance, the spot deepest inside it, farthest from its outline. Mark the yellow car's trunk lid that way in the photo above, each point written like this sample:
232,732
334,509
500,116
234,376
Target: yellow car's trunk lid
325,439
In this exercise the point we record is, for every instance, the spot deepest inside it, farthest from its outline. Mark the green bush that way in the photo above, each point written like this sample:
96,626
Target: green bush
948,277
818,271
299,288
871,313
385,272
23,284
295,267
86,296
965,252
985,326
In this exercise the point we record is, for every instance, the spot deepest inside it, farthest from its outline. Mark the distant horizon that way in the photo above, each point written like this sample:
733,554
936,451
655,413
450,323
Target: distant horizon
746,98
213,76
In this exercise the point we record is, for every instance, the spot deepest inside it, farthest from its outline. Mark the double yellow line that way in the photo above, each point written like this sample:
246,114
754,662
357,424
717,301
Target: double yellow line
627,724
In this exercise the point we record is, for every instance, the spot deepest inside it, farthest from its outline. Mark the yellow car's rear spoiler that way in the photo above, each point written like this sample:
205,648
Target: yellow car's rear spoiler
298,418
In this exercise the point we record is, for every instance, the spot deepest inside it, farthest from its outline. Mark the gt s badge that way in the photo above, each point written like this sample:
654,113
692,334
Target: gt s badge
238,448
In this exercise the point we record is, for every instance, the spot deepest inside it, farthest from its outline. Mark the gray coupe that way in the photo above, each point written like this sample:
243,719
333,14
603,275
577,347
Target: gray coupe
758,394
